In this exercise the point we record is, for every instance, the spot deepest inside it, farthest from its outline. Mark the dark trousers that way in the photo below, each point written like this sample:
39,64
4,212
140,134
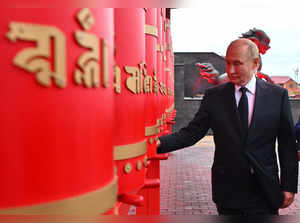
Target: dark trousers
246,211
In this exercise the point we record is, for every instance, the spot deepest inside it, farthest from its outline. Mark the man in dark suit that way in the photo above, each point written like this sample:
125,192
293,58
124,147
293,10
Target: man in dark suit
246,115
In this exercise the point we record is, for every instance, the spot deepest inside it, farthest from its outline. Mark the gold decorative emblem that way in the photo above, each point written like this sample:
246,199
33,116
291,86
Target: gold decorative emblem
127,168
35,59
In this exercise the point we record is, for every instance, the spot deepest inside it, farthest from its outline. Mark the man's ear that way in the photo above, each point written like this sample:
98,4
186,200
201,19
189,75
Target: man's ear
256,63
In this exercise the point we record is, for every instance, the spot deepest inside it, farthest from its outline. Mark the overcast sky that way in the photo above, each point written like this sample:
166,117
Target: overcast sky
211,26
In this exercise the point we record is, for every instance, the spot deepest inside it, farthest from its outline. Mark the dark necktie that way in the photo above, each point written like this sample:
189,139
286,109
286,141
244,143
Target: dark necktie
243,109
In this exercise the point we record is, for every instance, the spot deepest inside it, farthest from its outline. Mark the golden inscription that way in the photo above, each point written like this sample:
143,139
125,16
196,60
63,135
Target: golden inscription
85,18
34,59
134,83
163,88
117,81
155,82
89,71
88,62
105,71
147,78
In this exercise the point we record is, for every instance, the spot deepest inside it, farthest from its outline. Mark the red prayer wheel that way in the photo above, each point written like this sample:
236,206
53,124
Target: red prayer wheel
164,79
56,150
129,135
160,69
151,103
169,72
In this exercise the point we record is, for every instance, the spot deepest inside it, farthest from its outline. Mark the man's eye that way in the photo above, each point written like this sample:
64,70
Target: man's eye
236,63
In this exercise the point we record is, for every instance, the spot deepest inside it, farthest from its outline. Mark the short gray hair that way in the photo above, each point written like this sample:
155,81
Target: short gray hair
252,48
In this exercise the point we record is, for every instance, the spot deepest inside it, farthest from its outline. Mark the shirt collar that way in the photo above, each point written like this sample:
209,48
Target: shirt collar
251,85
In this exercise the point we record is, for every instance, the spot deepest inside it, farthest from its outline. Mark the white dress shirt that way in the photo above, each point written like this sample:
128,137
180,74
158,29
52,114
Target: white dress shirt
251,88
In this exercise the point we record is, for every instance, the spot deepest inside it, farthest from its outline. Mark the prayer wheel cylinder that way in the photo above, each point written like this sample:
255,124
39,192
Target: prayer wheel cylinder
169,77
160,69
151,103
56,150
130,146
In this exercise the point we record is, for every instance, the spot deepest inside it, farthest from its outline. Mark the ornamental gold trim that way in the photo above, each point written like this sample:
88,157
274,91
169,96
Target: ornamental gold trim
91,203
151,130
151,30
130,151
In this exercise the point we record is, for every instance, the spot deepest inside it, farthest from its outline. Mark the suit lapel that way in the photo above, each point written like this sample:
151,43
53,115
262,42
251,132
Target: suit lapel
258,107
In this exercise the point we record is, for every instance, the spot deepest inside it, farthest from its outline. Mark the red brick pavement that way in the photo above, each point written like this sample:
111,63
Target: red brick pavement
186,182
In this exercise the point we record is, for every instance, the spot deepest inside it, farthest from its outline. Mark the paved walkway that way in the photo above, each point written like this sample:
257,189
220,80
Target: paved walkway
186,182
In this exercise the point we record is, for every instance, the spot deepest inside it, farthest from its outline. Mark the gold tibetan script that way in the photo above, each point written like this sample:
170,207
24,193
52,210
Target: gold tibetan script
147,78
163,88
36,59
117,79
155,84
88,74
134,83
88,61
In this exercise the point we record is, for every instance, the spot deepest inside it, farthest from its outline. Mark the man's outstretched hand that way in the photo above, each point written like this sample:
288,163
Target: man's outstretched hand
158,143
288,198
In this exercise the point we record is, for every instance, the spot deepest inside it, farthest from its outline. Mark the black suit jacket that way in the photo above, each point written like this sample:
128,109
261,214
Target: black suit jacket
233,184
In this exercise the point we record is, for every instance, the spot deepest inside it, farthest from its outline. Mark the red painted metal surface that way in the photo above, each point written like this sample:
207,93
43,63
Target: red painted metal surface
56,142
160,67
169,72
151,103
129,105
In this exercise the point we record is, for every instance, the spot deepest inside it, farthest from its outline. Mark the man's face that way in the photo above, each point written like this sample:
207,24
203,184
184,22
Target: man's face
239,67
